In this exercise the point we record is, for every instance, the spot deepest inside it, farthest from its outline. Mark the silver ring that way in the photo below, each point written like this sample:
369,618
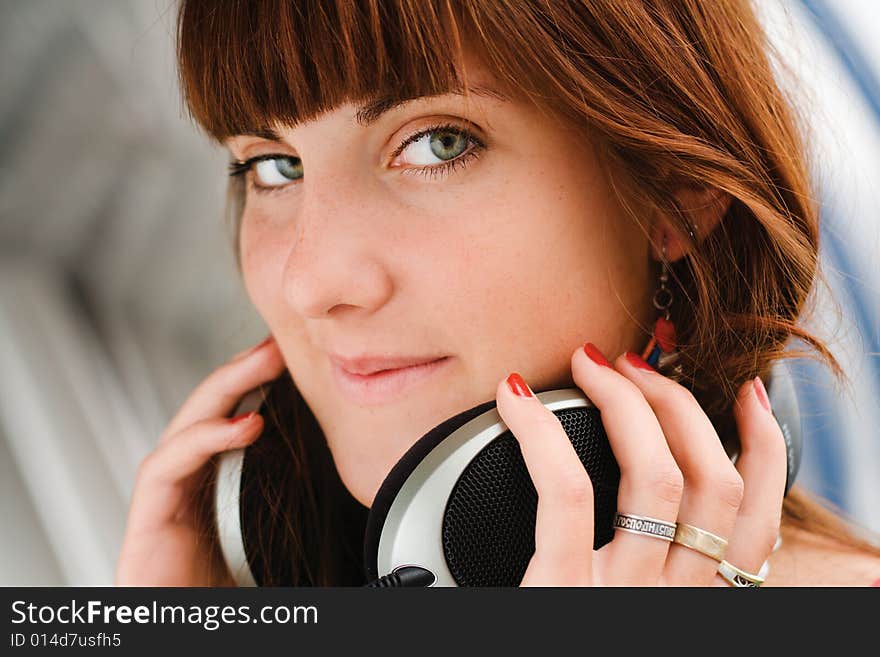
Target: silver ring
738,578
645,526
700,540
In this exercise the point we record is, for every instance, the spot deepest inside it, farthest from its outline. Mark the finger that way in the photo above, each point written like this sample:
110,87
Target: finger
252,348
712,486
564,519
650,481
160,490
218,394
762,465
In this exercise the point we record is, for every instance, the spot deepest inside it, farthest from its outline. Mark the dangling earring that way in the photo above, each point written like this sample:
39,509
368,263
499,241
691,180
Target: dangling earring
661,349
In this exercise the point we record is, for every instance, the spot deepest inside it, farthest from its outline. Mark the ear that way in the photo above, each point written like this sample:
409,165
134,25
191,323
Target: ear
703,209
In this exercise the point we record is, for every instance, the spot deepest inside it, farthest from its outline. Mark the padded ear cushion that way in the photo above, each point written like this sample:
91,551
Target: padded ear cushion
398,475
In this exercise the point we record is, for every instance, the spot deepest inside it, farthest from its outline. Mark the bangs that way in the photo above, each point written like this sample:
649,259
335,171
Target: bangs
245,67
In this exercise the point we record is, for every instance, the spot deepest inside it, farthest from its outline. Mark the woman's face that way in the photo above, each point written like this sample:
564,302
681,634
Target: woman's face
507,262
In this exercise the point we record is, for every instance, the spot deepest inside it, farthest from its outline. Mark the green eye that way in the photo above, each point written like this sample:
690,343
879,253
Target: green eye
439,150
275,171
447,144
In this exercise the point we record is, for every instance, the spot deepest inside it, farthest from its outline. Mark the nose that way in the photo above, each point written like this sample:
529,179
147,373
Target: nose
336,259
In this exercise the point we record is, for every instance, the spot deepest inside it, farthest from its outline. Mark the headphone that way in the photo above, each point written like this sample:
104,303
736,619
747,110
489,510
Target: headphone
459,507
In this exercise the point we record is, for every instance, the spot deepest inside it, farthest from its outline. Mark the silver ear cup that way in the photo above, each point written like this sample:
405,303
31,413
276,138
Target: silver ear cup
227,508
466,512
784,403
227,503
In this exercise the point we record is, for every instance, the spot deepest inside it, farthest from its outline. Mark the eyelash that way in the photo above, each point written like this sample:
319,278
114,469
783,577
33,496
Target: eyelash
237,169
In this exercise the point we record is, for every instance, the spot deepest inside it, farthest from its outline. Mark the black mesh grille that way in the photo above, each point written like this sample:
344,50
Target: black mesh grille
488,525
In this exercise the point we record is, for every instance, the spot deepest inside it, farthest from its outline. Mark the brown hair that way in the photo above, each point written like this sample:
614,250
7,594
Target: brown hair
675,93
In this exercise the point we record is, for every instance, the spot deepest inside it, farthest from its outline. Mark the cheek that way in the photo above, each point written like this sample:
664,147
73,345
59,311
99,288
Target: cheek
553,263
263,254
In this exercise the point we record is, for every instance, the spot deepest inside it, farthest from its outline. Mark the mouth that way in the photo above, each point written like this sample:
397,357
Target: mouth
384,385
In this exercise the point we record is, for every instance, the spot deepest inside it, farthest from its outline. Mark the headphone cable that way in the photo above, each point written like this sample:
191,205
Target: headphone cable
404,576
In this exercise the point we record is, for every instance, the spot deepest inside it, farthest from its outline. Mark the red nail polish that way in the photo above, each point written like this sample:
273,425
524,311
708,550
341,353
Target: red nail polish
518,385
243,416
249,350
761,393
264,343
254,349
592,351
637,361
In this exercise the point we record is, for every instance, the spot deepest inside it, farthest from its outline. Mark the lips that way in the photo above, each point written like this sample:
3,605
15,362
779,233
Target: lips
388,380
371,364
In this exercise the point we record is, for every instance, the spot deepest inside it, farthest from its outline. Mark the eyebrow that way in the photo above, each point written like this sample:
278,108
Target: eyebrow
372,111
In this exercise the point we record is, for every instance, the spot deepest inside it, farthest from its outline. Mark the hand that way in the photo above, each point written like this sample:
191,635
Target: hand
164,542
672,468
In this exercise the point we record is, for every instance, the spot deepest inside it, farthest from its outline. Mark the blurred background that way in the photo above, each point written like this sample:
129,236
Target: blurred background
118,288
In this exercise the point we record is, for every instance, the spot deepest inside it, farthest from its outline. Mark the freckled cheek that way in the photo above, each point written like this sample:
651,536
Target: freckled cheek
492,283
262,262
536,279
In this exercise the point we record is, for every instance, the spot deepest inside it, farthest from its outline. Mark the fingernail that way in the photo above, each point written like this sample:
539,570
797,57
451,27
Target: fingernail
637,361
243,416
761,393
266,341
595,355
256,347
518,385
